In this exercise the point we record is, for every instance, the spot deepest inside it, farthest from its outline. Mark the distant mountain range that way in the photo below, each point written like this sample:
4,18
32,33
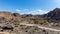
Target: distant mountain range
53,15
11,22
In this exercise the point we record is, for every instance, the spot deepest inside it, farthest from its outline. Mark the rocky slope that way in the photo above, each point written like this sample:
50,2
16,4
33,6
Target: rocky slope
54,15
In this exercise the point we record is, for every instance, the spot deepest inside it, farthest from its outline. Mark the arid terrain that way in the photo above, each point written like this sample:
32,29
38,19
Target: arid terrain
14,23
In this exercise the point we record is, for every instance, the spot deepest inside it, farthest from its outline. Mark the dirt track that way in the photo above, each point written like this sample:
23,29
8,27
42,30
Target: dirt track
52,29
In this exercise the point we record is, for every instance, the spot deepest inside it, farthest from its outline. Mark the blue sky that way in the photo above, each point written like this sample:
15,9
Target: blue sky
29,6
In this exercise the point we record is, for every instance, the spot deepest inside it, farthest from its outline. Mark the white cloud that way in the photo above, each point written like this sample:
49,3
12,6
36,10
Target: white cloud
34,12
21,11
17,10
38,11
25,10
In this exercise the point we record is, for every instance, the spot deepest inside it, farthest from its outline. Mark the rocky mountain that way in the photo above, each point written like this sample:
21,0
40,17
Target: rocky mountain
53,15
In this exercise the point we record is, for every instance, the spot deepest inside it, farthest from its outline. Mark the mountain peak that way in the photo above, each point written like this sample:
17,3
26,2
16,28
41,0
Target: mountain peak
56,10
